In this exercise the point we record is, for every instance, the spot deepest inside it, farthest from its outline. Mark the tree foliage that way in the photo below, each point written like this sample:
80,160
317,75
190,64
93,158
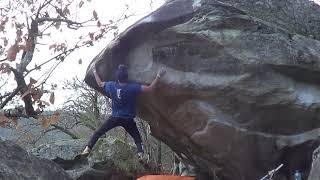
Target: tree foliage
85,106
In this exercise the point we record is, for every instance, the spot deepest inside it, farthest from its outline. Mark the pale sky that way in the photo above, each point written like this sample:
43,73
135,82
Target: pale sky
106,10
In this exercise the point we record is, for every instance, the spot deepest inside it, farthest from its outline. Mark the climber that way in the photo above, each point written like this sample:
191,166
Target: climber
123,95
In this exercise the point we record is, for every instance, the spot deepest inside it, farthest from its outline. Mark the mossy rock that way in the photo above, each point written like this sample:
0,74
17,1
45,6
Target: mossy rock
114,152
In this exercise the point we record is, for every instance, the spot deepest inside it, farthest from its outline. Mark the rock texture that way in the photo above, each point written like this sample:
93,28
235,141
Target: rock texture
17,164
296,16
241,94
110,159
315,173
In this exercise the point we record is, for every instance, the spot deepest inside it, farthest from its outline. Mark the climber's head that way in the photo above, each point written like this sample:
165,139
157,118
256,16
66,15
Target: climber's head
122,74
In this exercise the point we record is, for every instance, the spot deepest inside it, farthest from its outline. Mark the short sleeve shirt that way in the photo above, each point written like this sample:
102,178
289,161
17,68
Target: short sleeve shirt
124,98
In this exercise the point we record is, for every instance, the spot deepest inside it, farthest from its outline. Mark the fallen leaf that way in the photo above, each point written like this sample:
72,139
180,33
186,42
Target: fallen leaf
2,27
91,35
95,15
52,98
57,24
3,120
15,122
99,36
36,93
45,123
18,127
114,27
12,52
80,4
19,33
32,81
55,118
53,46
66,11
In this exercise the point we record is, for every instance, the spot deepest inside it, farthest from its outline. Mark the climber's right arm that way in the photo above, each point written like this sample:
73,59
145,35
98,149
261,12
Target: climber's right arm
151,87
98,80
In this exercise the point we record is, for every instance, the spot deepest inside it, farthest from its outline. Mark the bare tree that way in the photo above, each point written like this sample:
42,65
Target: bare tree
86,106
83,109
33,22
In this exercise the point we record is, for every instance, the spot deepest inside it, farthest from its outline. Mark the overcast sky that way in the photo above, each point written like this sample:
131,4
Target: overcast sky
107,10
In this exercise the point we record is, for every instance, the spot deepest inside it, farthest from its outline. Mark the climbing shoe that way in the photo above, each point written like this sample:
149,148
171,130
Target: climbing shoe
85,152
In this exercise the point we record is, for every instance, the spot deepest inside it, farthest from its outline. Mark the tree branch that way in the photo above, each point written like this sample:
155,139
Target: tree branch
4,96
3,59
27,54
4,83
22,87
42,6
69,22
4,103
53,58
66,131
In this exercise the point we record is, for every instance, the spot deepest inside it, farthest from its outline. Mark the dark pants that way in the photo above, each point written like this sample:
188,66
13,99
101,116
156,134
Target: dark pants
128,124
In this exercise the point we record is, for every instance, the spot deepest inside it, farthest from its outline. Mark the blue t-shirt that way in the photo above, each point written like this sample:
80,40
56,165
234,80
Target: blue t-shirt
123,98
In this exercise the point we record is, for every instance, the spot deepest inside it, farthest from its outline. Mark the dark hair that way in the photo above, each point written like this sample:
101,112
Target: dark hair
122,73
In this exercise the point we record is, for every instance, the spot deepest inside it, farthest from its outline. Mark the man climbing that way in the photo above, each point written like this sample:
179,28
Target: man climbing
123,95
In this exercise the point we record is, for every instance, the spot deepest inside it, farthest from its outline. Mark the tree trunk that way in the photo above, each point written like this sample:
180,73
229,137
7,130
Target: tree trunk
22,86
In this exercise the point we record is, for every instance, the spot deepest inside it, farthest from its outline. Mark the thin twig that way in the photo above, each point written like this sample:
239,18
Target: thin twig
3,59
40,20
4,103
42,6
53,58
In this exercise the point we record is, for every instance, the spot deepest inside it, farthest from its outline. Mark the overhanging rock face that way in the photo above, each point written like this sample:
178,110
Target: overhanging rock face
241,94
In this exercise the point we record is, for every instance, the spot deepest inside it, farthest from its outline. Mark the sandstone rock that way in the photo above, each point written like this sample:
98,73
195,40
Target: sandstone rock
297,16
17,164
241,94
315,173
109,159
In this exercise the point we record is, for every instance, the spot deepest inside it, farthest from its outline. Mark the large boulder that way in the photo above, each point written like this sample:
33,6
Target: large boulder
241,94
17,164
314,172
110,159
296,16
